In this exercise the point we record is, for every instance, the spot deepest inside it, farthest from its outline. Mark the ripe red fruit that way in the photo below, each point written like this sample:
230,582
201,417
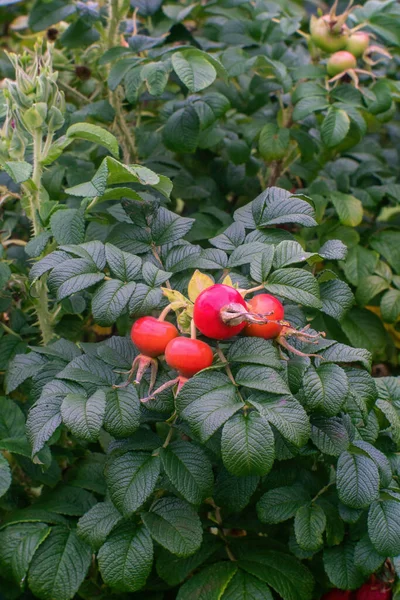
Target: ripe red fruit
188,356
265,303
328,35
374,589
337,595
357,43
151,336
212,306
339,62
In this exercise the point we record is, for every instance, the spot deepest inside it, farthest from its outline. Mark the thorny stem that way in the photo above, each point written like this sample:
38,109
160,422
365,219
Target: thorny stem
41,303
252,290
126,134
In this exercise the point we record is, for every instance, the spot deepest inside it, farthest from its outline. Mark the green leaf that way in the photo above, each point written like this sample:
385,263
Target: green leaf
273,142
209,584
286,414
390,306
155,75
20,368
348,208
60,565
337,298
281,503
309,525
335,127
123,265
340,567
307,106
329,435
346,354
392,417
122,416
84,416
384,526
290,252
385,242
68,226
325,388
206,401
234,493
381,461
360,263
126,558
181,131
95,134
295,284
131,479
244,586
169,227
255,351
193,69
19,171
369,287
72,276
12,420
67,500
364,329
262,378
189,470
45,415
261,264
357,480
110,301
5,475
247,445
245,253
175,525
366,558
18,544
42,16
286,575
174,569
88,369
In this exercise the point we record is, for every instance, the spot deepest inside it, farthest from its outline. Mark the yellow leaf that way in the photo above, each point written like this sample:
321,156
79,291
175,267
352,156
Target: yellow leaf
183,320
176,299
228,281
198,283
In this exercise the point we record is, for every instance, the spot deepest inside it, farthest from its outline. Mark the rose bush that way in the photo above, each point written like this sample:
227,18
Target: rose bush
161,437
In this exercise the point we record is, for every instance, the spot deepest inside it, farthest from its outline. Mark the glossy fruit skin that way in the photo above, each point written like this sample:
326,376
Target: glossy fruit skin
339,62
336,594
207,307
261,304
188,356
358,43
324,37
152,336
374,589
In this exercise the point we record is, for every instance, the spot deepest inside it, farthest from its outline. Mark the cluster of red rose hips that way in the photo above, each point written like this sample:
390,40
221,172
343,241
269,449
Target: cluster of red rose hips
373,589
220,312
331,34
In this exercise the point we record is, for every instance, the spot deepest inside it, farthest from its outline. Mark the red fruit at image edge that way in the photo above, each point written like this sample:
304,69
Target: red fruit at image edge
263,304
374,589
188,356
152,336
337,595
207,311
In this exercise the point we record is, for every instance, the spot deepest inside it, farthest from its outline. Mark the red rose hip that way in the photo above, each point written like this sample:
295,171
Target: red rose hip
152,336
211,311
188,356
264,304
